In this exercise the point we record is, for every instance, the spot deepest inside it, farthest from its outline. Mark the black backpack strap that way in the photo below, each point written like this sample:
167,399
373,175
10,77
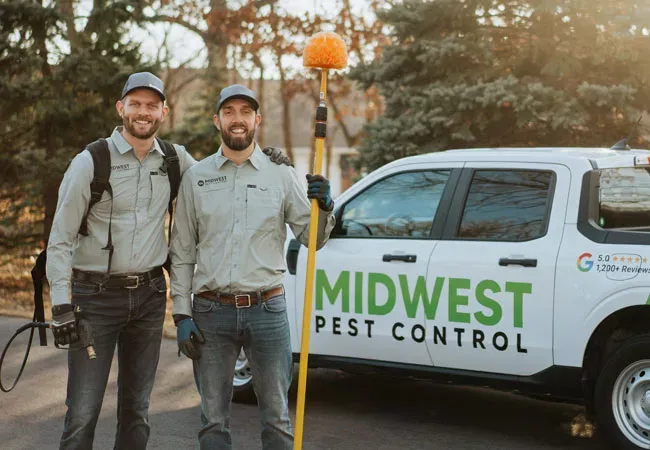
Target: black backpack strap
109,242
38,275
102,172
173,168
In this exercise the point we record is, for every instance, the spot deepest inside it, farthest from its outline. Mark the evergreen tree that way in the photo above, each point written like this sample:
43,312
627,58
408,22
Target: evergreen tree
487,73
59,83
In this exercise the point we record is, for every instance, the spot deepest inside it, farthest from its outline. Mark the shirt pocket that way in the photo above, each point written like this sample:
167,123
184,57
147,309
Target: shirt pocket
124,184
160,191
215,201
262,208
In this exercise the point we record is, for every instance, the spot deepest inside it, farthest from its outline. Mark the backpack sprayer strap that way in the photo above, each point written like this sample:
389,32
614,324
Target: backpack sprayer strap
109,242
38,275
173,169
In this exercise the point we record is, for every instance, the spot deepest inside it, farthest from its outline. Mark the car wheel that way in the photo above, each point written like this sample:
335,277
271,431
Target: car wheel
243,381
622,395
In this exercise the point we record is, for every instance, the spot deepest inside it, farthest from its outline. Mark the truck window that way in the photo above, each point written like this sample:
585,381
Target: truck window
402,206
507,205
624,199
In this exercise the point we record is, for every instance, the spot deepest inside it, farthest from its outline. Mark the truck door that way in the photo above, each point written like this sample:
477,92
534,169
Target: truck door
492,275
378,250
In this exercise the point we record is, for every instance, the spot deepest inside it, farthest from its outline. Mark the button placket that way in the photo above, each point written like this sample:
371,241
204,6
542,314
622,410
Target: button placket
141,212
240,211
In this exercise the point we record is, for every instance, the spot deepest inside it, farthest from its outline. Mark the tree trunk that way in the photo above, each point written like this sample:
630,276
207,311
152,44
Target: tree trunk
50,185
171,117
286,112
260,99
216,43
217,70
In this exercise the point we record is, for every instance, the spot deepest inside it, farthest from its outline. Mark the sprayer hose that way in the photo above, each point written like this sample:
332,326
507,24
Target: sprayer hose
28,326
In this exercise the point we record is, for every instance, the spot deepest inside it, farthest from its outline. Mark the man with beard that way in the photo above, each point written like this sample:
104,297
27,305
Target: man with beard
230,225
122,295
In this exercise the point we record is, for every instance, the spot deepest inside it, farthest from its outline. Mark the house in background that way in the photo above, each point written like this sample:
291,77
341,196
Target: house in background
338,155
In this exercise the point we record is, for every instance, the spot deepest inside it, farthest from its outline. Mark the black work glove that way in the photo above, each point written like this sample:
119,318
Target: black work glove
187,335
318,187
277,156
64,324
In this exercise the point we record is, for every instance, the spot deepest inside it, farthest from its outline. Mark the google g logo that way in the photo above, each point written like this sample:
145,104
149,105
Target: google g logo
585,263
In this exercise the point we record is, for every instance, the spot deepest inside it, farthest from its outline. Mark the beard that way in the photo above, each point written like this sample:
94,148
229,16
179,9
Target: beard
132,127
238,143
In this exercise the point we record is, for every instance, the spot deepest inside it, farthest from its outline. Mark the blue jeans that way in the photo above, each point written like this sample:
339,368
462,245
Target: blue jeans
132,319
263,331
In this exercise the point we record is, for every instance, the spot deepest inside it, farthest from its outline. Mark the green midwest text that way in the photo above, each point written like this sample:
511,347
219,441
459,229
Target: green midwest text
420,294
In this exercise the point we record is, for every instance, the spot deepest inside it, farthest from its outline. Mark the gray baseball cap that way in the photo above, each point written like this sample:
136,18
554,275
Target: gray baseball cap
237,91
144,80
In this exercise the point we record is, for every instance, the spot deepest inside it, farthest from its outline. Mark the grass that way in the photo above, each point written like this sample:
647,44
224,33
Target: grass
17,291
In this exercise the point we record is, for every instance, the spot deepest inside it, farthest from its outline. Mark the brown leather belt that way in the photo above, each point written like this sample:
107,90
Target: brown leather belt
127,281
242,299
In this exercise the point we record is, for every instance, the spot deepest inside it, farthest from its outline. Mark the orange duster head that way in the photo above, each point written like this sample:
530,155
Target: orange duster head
325,50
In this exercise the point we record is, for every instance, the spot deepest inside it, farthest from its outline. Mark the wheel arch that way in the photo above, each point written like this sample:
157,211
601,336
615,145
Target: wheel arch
606,337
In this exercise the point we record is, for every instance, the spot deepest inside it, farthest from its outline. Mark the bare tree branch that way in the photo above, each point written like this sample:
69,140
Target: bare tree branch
178,21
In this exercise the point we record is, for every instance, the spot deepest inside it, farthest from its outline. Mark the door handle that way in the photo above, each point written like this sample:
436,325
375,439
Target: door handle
405,258
525,262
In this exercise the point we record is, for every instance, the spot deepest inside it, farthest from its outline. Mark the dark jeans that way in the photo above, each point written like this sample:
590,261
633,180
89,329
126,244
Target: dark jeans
132,319
263,331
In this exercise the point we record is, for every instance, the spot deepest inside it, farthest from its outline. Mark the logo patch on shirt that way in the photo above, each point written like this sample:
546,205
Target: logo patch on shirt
120,167
209,181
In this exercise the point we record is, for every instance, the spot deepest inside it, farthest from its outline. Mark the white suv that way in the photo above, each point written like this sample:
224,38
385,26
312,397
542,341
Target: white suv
523,269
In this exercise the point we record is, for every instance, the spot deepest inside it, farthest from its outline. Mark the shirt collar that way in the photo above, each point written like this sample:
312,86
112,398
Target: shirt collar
256,158
123,146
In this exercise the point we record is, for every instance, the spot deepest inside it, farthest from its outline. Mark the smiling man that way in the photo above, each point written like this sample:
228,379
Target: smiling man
120,292
233,208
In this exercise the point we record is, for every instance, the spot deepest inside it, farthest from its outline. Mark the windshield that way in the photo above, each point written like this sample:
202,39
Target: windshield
624,198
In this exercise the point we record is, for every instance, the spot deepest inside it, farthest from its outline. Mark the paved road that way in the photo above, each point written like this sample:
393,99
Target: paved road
344,412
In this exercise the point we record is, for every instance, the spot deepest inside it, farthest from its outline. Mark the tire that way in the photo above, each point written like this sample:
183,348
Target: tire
622,395
242,387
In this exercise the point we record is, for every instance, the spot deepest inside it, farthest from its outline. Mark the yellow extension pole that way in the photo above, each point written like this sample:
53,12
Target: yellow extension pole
309,285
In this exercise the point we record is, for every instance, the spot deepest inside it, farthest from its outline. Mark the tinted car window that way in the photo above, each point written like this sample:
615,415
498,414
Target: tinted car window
507,205
402,205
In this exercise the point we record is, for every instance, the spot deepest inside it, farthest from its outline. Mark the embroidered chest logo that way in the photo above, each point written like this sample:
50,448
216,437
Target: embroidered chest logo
209,181
120,167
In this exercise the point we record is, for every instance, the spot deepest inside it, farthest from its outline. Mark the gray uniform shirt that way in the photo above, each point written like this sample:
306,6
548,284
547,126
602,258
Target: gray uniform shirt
140,200
231,223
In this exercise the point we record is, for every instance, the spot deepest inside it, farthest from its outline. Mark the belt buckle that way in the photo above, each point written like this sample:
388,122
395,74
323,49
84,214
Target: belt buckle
137,281
243,305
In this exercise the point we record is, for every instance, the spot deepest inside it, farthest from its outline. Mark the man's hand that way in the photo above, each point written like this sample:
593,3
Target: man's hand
277,156
187,335
318,187
64,324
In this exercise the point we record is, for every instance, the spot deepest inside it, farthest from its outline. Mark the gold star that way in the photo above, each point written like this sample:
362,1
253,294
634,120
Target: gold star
615,258
629,259
645,260
637,260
